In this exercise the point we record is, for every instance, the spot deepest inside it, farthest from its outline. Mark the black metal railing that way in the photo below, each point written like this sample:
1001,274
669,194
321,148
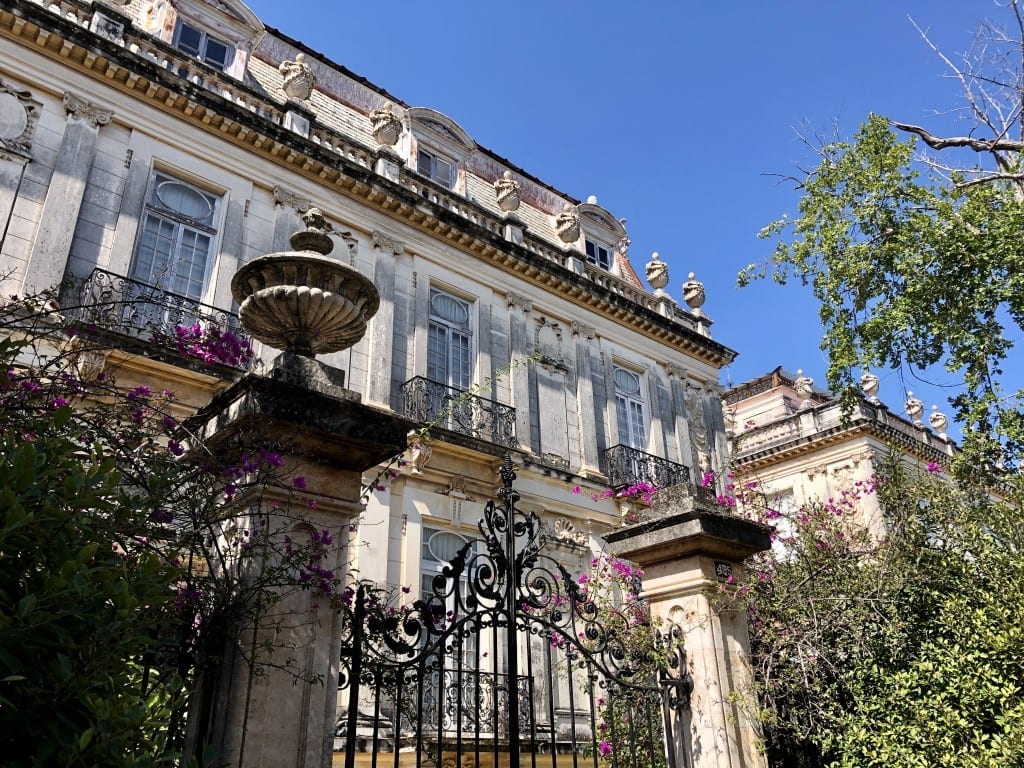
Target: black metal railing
437,404
106,302
627,466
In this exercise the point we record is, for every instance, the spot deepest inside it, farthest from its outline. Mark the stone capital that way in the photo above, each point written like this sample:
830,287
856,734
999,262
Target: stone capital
582,329
283,196
521,302
81,109
384,242
675,371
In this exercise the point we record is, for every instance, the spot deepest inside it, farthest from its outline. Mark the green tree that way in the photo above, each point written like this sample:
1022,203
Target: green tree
904,652
915,257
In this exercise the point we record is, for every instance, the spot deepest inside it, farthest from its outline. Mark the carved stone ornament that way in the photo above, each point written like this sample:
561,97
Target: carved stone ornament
804,388
384,242
507,192
869,386
284,197
19,114
693,293
914,409
566,533
519,302
582,329
86,111
387,127
301,301
938,421
657,273
567,224
419,451
298,79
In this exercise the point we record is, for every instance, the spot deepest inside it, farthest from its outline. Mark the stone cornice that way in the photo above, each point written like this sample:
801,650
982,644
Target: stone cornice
332,160
772,455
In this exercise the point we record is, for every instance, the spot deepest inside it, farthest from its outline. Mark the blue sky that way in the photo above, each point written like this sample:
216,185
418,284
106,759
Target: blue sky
675,114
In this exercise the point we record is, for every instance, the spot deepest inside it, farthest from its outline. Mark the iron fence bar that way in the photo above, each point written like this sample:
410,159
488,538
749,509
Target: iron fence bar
378,683
355,674
592,682
572,708
509,495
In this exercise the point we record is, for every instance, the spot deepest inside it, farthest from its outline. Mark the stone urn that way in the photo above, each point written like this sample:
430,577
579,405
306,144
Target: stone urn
507,192
938,421
869,385
386,126
693,293
301,301
914,409
298,79
567,224
657,273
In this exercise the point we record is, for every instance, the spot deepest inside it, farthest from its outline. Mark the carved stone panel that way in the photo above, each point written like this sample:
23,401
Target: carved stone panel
19,113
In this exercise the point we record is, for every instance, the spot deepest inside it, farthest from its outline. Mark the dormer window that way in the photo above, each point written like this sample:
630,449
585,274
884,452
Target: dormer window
208,49
436,168
599,254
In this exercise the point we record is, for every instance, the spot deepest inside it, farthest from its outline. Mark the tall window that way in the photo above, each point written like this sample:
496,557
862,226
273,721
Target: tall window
197,42
176,238
436,168
449,345
439,548
629,408
598,254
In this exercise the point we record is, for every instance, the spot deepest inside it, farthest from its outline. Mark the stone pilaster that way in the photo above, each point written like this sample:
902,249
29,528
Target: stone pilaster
677,388
686,551
287,207
520,341
59,215
584,335
382,330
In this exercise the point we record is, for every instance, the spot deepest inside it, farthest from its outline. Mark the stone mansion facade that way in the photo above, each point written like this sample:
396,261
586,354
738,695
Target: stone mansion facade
148,150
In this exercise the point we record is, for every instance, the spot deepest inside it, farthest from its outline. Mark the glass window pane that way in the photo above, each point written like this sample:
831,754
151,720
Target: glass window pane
190,39
425,163
218,55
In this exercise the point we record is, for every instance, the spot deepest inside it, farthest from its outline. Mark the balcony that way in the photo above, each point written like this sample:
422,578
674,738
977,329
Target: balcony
108,304
456,410
627,466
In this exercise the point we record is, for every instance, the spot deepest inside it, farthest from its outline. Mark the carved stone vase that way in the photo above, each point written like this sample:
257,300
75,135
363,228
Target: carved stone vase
301,301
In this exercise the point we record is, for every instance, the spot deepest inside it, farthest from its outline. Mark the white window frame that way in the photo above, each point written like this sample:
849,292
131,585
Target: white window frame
630,409
157,215
431,164
594,250
202,53
457,337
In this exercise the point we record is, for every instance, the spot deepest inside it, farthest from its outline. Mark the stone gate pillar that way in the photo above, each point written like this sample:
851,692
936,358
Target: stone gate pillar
304,303
687,550
284,713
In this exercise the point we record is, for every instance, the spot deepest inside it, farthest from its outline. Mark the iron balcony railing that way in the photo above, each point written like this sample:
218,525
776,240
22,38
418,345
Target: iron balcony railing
437,404
106,302
626,466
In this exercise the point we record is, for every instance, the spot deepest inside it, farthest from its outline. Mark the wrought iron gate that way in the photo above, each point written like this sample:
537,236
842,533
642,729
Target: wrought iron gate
507,661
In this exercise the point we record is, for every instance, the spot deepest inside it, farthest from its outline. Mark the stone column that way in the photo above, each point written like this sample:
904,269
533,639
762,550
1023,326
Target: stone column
686,551
519,343
271,717
59,215
382,328
590,462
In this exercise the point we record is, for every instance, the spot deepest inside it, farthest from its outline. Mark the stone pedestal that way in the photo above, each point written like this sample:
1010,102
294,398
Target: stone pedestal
272,717
686,551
